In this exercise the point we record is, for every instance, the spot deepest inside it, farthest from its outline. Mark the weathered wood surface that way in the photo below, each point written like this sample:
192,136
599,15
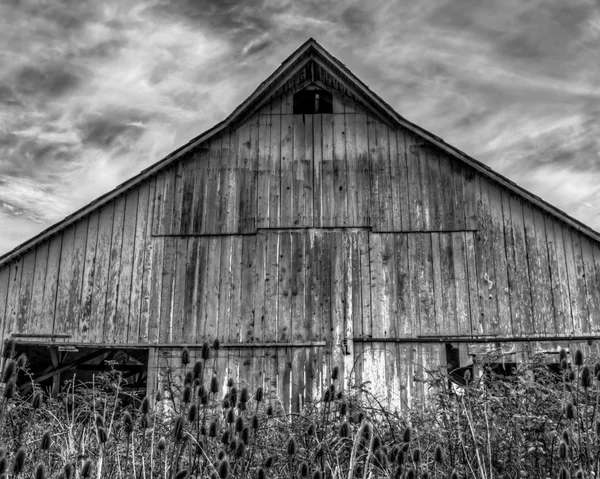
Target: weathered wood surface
310,227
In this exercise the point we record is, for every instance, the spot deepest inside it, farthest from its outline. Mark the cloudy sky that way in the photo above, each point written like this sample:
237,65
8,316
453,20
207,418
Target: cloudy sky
93,92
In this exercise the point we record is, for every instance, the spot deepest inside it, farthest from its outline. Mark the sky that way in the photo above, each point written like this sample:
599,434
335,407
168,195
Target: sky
91,93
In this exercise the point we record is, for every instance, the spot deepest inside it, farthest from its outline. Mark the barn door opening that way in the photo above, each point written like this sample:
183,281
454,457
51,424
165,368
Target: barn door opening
56,367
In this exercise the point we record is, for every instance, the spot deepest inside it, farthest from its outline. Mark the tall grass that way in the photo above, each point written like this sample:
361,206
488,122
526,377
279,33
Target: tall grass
534,423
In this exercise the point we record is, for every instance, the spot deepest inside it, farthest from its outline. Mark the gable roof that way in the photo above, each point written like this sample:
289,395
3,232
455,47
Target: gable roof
307,52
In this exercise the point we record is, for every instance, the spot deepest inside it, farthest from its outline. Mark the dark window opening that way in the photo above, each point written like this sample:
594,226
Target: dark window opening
310,102
56,367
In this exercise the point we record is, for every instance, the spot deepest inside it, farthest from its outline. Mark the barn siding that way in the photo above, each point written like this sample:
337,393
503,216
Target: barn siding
303,228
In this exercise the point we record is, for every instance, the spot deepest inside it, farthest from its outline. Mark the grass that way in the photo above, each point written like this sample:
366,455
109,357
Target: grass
534,423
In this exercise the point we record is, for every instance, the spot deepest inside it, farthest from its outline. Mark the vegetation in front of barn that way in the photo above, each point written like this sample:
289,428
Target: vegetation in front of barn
534,423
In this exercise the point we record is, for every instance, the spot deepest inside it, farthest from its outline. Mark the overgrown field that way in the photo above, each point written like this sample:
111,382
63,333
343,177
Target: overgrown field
538,422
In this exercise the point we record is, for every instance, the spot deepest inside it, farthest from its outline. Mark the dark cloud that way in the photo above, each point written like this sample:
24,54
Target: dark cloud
357,20
112,128
53,80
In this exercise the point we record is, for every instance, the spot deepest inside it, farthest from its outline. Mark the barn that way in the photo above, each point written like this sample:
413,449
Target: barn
314,227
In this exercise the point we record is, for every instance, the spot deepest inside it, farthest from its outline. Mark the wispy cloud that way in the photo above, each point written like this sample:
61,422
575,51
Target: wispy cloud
93,92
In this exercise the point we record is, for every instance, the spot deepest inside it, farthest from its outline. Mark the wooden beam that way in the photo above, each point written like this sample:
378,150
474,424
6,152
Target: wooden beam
71,365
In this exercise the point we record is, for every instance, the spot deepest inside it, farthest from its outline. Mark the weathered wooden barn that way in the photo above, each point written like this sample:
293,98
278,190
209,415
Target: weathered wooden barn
313,227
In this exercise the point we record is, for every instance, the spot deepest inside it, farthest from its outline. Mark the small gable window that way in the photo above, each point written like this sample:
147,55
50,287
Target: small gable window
309,102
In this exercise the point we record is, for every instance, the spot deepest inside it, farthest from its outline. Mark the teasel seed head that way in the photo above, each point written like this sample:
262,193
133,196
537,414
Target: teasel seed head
10,388
221,455
255,421
205,351
216,344
19,461
291,446
239,424
158,396
410,474
454,475
259,395
579,474
203,395
366,432
566,437
99,421
564,473
407,435
335,373
345,430
36,400
400,458
360,417
162,443
232,446
598,428
86,469
214,385
144,422
244,396
189,379
269,462
40,473
240,449
562,354
261,474
417,456
562,450
3,464
22,361
586,377
303,469
198,368
127,423
223,468
317,475
46,441
182,474
185,357
571,375
68,470
438,454
246,435
214,475
310,430
570,411
578,358
225,437
192,413
145,406
187,394
233,394
564,364
213,429
375,443
230,416
327,396
343,408
226,404
270,410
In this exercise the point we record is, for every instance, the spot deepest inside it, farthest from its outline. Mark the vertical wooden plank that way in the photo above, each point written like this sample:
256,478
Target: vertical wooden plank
169,263
4,287
200,195
560,277
375,172
12,300
435,188
473,284
340,178
248,156
286,172
189,322
414,184
520,291
147,256
317,122
201,291
178,187
376,283
237,323
298,172
46,318
484,245
233,212
191,190
126,266
213,275
25,291
270,326
405,321
365,263
439,246
297,288
582,324
592,288
37,289
395,180
275,170
139,255
89,270
249,283
500,260
449,324
594,291
363,169
260,280
168,201
401,183
211,216
78,265
110,325
155,274
158,204
338,287
224,166
424,260
327,173
264,170
224,288
470,184
180,286
308,172
459,261
64,281
351,306
351,161
326,252
457,222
